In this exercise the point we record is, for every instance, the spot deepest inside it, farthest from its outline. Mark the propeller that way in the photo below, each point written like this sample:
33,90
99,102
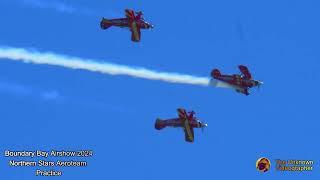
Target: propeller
203,125
259,83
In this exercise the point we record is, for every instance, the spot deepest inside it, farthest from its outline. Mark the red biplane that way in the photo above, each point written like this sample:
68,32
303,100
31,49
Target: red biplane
240,82
186,120
134,21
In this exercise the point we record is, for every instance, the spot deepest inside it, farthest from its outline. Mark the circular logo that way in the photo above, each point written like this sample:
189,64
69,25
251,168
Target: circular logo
263,164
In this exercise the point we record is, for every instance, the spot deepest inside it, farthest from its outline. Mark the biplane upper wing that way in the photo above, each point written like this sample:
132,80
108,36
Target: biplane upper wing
134,27
245,71
188,130
135,32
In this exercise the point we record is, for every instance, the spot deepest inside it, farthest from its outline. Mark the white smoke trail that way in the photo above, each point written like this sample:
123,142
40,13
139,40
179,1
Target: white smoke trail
59,6
56,5
28,56
23,91
63,7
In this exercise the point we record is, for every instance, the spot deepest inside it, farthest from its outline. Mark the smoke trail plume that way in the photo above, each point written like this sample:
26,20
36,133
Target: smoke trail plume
58,6
61,6
28,56
21,90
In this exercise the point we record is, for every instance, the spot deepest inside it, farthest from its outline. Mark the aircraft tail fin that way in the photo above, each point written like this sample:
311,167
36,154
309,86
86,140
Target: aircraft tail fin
159,124
105,23
215,73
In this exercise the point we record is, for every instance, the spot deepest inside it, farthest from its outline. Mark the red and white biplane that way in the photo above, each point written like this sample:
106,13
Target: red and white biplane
186,120
133,20
240,82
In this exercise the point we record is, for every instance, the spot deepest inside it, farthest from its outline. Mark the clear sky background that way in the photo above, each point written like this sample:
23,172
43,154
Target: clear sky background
47,107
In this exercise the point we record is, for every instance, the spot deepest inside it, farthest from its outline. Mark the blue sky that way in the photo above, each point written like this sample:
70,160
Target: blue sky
47,107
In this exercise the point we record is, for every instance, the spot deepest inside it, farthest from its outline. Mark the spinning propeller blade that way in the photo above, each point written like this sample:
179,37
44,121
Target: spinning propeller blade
259,84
